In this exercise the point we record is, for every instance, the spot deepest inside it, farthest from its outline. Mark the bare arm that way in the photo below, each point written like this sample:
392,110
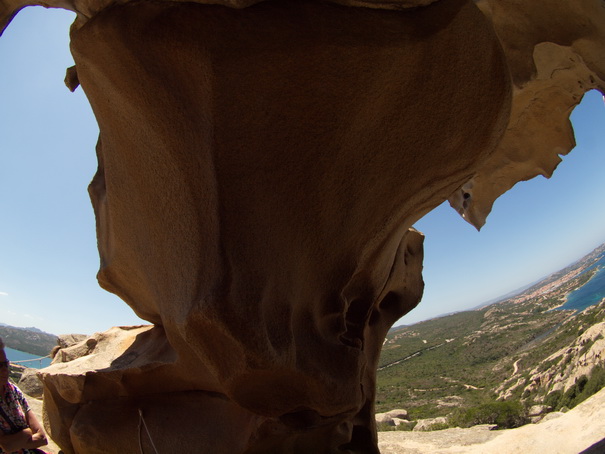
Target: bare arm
38,435
16,441
34,424
30,438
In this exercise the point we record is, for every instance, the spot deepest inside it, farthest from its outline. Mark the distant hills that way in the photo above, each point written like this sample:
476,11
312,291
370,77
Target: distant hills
522,349
28,340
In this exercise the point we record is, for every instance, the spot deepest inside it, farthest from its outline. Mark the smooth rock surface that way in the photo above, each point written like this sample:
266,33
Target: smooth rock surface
258,176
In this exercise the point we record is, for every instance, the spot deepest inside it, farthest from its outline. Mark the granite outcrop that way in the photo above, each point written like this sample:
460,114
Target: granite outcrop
260,167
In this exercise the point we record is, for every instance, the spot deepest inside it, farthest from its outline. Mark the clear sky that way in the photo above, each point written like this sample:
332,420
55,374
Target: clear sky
48,256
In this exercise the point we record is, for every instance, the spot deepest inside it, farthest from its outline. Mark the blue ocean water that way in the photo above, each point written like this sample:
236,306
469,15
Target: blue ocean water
15,356
590,293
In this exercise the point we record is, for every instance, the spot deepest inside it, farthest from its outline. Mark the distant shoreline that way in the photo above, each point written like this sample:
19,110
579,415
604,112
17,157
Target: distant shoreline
26,359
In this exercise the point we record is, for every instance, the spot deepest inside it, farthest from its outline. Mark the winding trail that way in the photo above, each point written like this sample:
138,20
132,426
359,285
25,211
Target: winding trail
516,366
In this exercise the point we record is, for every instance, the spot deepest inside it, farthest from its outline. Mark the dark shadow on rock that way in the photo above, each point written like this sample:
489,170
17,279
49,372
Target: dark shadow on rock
597,448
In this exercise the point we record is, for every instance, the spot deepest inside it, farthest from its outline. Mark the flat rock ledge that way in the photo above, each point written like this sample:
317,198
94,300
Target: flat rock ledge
578,431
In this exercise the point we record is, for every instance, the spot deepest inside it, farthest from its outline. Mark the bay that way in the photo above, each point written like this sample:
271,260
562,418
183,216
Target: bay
590,293
25,359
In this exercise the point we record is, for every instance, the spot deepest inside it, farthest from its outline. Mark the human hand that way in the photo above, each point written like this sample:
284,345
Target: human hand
39,437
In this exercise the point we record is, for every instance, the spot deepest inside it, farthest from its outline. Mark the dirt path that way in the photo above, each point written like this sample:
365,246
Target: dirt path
516,366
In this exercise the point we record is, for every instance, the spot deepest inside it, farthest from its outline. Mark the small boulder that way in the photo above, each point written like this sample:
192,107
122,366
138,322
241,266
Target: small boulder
72,346
398,413
391,417
30,383
404,423
551,416
383,418
424,425
539,410
67,340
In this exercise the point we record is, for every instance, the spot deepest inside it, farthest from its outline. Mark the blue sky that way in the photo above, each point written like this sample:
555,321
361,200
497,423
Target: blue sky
48,256
538,227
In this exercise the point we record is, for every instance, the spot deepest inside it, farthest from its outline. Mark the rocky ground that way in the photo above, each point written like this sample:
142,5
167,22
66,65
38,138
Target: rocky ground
561,433
581,430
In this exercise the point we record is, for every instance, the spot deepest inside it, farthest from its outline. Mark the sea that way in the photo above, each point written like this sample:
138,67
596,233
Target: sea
26,359
590,293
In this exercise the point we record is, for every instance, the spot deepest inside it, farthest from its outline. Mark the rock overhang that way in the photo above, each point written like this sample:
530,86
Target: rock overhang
247,357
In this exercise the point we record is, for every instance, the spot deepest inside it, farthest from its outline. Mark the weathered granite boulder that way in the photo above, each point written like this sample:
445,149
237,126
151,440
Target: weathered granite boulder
398,413
407,425
30,383
392,417
260,167
258,177
538,410
130,380
536,413
550,416
67,340
565,367
383,418
555,53
423,425
70,346
86,9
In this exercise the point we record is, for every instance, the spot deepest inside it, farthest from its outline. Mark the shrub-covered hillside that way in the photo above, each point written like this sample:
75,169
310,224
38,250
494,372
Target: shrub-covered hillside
516,353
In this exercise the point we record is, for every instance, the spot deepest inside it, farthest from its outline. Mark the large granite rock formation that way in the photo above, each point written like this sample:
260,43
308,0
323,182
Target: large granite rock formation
555,54
260,167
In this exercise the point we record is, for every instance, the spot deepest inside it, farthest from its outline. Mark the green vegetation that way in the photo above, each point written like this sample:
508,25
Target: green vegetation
435,372
28,340
467,355
505,414
458,365
579,392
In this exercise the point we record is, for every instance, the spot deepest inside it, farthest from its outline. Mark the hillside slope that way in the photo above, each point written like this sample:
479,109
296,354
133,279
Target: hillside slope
578,431
28,340
520,349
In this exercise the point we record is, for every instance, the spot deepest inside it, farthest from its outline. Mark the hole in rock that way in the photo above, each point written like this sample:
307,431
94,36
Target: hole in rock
527,236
